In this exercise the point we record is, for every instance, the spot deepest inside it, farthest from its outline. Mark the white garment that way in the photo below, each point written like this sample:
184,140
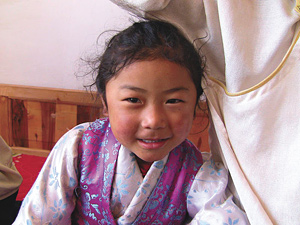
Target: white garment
253,63
52,197
243,41
259,133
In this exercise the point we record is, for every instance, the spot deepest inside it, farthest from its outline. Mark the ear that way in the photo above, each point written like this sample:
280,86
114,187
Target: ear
105,110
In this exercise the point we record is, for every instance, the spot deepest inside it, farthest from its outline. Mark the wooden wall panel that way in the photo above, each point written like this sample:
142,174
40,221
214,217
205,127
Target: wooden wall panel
199,132
65,96
88,113
65,119
34,119
5,120
19,123
48,124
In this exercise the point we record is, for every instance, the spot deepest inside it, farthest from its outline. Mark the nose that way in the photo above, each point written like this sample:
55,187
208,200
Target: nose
154,118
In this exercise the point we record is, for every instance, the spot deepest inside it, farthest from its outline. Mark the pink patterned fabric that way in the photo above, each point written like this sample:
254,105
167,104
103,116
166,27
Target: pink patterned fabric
98,153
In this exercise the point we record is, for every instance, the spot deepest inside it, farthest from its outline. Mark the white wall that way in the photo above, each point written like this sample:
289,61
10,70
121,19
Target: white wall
41,41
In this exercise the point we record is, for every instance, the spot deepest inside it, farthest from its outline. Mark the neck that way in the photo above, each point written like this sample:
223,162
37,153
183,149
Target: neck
144,166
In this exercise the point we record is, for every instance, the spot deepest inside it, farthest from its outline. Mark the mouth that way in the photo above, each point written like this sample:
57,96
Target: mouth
152,143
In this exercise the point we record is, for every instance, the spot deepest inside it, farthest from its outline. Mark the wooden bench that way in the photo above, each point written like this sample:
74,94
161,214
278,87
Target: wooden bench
32,119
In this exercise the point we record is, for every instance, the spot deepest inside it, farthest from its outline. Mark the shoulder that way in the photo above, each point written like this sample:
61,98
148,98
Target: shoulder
187,154
191,150
99,125
96,130
74,135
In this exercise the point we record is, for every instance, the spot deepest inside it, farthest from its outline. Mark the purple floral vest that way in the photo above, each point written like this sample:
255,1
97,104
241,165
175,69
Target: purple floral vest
97,157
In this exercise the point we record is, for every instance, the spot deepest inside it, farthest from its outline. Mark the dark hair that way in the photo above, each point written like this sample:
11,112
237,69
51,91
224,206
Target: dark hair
148,40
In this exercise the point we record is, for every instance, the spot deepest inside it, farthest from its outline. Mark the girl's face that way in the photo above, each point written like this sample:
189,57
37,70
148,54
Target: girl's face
151,105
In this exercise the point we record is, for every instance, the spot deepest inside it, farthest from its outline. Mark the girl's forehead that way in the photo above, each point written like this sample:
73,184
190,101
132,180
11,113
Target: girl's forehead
157,68
158,73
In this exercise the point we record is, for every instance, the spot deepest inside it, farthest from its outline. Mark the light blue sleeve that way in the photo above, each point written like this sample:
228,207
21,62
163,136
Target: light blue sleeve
209,201
51,200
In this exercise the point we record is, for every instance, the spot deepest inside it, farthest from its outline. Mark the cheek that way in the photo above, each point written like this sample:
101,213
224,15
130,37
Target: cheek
183,124
122,126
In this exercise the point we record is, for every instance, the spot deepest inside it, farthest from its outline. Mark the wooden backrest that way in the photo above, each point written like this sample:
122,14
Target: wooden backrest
34,118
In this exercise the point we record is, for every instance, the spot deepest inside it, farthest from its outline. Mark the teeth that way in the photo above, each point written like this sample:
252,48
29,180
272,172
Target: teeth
151,141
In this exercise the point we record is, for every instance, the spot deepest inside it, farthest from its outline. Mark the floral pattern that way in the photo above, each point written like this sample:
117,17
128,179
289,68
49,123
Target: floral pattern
54,196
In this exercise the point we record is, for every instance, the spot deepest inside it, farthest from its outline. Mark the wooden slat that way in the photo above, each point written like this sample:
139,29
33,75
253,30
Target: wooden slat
88,114
48,124
29,151
19,123
199,133
64,96
35,130
65,119
5,120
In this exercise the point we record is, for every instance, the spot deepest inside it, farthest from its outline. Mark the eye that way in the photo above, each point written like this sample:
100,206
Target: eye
174,101
132,100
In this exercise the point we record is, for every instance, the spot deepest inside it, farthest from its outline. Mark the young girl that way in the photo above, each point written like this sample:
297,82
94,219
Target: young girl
136,166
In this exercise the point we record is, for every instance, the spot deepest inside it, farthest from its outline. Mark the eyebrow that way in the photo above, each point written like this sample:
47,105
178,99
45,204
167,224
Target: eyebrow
133,88
172,90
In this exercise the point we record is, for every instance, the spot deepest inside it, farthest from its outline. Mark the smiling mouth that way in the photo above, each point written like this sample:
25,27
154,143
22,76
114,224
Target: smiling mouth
152,143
